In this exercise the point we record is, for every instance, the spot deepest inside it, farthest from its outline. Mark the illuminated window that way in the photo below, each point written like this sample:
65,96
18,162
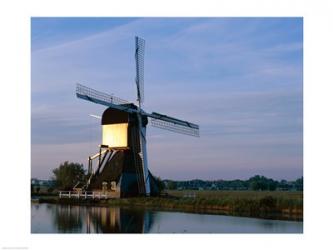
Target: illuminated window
115,135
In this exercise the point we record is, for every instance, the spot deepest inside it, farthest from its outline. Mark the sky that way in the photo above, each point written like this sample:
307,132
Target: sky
240,79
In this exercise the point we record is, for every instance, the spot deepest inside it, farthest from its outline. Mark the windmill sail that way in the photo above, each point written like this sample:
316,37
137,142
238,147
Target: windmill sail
173,124
139,61
98,97
139,80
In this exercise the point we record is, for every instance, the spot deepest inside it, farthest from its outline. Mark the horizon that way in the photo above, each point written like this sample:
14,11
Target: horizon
184,180
240,79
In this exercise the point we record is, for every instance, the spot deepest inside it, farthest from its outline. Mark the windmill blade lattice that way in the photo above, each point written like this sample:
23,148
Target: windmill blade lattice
139,61
173,124
102,98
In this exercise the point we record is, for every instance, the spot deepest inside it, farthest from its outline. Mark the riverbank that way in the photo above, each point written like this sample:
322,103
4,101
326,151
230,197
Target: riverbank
267,205
59,218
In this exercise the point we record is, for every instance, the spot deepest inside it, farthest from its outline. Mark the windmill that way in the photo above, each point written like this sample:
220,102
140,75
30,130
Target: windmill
122,157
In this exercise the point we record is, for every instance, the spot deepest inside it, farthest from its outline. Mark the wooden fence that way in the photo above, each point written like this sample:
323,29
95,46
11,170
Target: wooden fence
86,195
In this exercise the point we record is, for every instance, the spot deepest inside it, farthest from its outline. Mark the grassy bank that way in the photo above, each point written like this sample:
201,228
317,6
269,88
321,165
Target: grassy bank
263,204
272,205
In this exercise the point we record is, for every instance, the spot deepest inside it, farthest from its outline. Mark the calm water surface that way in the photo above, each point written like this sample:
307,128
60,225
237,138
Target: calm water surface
53,218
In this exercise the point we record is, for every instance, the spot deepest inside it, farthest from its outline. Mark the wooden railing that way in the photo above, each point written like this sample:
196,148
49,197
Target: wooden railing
85,195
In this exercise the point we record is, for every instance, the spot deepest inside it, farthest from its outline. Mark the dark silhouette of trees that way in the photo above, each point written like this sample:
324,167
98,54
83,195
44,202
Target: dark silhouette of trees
299,184
256,183
262,183
68,174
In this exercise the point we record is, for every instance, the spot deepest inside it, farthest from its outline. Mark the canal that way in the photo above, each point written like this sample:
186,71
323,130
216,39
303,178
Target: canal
55,218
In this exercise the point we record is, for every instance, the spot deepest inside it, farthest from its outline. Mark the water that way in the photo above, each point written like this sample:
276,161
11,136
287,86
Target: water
52,218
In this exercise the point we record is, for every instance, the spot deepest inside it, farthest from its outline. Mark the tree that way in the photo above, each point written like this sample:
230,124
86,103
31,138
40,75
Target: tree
272,185
262,183
68,174
258,182
299,184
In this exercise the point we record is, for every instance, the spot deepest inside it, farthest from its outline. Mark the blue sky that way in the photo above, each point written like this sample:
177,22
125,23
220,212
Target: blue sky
240,79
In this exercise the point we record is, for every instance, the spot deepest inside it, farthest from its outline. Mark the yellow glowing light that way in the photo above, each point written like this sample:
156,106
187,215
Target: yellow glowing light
115,135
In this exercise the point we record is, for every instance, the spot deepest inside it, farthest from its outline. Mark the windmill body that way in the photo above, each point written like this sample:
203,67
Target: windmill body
122,163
